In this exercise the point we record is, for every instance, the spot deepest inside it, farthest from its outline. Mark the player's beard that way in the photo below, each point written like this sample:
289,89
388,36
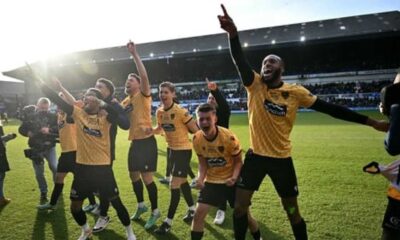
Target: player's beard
273,77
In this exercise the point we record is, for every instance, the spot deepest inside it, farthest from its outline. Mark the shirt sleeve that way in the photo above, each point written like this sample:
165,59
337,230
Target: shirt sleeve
305,98
196,144
186,117
234,145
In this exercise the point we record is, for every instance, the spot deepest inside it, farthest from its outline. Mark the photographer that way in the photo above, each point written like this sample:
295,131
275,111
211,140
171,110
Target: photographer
4,163
40,126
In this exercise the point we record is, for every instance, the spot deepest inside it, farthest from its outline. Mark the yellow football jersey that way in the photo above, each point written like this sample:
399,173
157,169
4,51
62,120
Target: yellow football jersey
218,153
173,121
393,193
93,138
138,107
272,113
67,132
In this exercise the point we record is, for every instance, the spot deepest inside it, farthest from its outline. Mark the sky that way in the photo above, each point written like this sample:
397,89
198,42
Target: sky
36,30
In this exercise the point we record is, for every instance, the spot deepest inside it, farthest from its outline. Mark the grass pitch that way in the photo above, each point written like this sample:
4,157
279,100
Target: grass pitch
337,200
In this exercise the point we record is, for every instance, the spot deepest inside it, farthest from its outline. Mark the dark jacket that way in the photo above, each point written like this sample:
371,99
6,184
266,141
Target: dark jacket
4,167
223,110
39,120
122,122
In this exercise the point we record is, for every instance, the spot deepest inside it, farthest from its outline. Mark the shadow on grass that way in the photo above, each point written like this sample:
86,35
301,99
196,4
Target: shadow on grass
214,230
109,234
57,220
169,235
2,207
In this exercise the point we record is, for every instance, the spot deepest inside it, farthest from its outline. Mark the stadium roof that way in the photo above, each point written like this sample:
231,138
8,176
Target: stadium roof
347,27
4,78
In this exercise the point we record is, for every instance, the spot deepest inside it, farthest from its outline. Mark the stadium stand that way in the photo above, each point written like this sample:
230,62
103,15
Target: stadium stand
344,60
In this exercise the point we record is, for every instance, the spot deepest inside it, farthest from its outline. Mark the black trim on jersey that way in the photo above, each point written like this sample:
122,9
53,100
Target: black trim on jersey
276,87
188,121
167,109
145,94
211,140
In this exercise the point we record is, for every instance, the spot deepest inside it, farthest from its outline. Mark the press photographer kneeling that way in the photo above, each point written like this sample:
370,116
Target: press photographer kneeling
40,126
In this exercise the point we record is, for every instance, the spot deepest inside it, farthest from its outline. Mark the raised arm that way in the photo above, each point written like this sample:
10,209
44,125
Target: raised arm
223,105
346,114
144,79
59,87
51,94
242,65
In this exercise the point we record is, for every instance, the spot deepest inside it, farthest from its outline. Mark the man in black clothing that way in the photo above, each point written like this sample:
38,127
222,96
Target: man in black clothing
272,108
216,99
42,130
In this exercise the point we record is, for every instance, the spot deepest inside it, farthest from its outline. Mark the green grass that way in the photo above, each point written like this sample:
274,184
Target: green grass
337,200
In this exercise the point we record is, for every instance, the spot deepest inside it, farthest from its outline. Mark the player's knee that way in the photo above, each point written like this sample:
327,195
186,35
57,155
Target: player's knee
175,183
135,176
147,178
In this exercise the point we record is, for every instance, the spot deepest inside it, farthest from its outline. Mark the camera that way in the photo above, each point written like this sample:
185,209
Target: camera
33,155
8,137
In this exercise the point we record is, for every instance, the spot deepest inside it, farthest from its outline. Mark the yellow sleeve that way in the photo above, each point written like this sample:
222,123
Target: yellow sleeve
305,98
234,145
158,115
185,115
256,80
196,144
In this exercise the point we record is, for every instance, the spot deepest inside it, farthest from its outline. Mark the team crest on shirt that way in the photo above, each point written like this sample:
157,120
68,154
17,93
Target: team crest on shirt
285,94
61,124
128,108
216,162
92,132
204,148
221,149
275,109
172,116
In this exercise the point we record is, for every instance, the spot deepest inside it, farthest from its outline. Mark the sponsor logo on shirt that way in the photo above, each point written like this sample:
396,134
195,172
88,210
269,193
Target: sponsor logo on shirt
275,109
92,132
216,162
168,127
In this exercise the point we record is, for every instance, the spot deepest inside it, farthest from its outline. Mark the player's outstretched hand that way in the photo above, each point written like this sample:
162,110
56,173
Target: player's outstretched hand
227,23
380,125
212,86
131,47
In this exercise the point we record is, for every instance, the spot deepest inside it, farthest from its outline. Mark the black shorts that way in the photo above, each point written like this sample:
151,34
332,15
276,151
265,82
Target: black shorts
142,156
216,194
391,221
280,170
66,162
180,162
89,179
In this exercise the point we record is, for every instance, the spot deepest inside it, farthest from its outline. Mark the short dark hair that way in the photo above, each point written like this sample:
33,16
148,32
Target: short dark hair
108,83
134,75
390,95
205,108
96,92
